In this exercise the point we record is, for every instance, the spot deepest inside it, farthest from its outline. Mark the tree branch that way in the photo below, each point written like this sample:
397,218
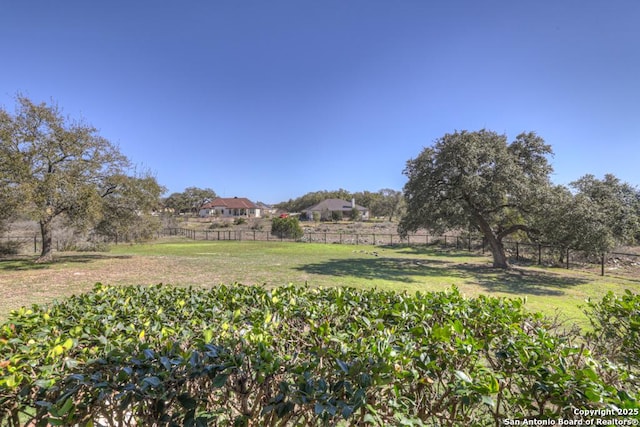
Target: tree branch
109,190
512,229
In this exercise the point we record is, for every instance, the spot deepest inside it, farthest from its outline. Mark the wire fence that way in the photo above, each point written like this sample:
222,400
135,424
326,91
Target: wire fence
518,252
348,238
20,244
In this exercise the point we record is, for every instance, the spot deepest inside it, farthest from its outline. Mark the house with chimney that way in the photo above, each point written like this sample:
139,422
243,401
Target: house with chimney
325,209
224,207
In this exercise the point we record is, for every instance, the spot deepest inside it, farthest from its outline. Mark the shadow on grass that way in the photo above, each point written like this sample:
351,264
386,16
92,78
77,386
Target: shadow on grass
21,264
29,264
517,281
435,250
521,281
405,270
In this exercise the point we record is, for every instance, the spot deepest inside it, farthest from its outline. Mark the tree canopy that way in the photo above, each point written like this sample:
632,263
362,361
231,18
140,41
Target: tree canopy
477,179
9,197
125,212
59,166
313,198
591,215
190,200
618,204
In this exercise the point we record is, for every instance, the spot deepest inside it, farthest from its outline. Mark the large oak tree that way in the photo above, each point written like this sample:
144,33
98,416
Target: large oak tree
478,179
60,167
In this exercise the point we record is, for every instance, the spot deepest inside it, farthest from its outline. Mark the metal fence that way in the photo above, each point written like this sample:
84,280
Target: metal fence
20,244
518,252
368,238
32,243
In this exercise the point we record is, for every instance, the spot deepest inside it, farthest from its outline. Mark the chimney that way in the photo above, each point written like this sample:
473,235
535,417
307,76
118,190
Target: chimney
353,203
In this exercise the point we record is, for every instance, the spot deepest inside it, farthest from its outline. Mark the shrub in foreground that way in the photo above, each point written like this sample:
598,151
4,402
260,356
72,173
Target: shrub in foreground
616,331
236,355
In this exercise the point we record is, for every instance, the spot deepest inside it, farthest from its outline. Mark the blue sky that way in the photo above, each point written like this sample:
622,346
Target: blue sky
273,99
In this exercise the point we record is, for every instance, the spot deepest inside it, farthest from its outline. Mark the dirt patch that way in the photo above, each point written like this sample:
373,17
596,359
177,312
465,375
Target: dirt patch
77,273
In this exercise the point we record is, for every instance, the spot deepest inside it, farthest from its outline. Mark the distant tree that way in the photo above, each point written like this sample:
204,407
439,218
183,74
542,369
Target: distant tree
177,203
196,197
390,203
127,211
618,206
311,199
61,167
595,217
570,221
478,179
356,215
367,199
190,200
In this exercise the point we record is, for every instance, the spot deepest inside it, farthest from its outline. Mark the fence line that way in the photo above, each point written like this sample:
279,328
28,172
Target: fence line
459,242
534,253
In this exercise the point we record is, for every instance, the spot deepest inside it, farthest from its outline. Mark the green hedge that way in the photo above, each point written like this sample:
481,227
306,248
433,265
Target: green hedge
288,227
236,355
616,329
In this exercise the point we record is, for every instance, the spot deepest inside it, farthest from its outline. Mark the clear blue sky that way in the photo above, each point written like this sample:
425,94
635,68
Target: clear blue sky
273,99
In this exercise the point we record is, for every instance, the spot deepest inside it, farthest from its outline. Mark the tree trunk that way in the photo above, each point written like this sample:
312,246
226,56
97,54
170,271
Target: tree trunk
497,250
47,241
495,244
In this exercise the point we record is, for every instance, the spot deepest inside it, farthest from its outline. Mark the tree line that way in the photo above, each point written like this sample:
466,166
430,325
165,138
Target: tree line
386,202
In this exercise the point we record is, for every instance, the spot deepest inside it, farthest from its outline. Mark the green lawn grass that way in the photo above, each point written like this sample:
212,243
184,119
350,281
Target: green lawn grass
550,290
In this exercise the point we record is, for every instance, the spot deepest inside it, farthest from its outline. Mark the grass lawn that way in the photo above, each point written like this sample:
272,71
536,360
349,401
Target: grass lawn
550,290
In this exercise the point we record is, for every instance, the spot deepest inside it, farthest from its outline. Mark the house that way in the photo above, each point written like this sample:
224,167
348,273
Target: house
325,209
230,208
